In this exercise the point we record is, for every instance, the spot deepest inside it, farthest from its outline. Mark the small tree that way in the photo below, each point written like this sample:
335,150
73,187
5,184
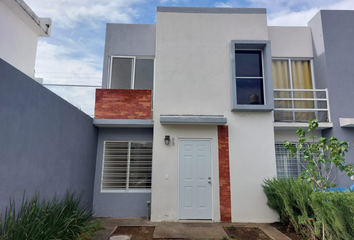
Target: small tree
322,158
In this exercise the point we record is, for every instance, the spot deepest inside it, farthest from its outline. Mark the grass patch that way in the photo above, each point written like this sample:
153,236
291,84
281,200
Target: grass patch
56,218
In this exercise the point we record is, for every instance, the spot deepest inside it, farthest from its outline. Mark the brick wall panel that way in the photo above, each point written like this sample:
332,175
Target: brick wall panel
123,104
224,174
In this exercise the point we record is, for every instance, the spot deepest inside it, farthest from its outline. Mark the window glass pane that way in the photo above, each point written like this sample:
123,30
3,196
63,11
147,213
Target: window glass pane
144,74
248,63
301,78
249,91
288,166
281,76
121,73
301,74
115,165
140,165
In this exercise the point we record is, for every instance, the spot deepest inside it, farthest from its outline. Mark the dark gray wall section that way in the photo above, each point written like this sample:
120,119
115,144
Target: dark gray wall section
119,204
46,144
127,40
334,70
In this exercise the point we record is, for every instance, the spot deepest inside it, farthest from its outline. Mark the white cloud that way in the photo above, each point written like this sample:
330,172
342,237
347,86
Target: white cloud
68,13
299,12
292,18
173,2
55,64
224,5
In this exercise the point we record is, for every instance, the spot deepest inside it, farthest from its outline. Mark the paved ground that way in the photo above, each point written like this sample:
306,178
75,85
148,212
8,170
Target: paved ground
182,229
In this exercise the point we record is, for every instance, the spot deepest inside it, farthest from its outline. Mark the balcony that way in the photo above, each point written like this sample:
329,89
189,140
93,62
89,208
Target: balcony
123,108
295,107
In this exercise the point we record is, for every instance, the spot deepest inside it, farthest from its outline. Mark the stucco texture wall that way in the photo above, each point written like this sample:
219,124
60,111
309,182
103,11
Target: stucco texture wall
333,66
126,40
114,204
18,43
46,144
193,77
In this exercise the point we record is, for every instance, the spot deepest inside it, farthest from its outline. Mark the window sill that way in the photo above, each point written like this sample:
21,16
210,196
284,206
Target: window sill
253,108
127,191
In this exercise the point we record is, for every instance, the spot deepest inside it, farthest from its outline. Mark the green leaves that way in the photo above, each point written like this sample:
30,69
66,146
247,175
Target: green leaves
313,124
321,157
55,218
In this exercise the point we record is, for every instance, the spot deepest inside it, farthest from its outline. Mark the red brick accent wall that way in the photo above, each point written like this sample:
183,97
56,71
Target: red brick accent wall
123,104
224,174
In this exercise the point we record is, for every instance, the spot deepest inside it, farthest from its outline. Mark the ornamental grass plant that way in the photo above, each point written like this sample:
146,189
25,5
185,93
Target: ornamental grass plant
311,213
65,218
336,211
307,203
290,198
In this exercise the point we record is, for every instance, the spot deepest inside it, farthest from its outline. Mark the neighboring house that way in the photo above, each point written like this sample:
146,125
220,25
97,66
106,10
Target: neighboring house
194,110
20,28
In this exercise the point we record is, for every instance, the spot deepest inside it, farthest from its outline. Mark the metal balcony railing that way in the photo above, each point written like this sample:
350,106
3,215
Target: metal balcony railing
81,96
300,105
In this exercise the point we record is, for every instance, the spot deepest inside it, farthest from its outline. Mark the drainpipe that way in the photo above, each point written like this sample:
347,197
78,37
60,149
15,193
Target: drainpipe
148,210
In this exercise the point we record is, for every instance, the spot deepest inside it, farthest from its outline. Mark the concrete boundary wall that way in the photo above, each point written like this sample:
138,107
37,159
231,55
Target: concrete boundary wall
46,144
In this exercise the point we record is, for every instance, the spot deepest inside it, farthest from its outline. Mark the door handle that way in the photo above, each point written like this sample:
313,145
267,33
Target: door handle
209,180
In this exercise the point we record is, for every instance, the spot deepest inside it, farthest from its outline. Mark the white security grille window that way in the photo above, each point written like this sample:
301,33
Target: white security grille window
126,166
288,166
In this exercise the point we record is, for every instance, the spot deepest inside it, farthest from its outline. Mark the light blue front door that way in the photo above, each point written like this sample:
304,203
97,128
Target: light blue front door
195,182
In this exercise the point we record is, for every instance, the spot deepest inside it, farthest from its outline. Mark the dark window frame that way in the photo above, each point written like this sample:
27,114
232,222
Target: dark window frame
264,47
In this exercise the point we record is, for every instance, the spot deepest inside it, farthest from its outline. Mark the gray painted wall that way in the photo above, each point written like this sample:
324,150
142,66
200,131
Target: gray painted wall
127,40
46,144
119,204
333,38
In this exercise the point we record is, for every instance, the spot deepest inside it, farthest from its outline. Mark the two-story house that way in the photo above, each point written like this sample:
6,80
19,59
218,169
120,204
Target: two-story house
194,110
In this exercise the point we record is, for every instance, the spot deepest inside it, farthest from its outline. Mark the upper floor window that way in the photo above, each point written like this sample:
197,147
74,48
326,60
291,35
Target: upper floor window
295,75
292,74
131,73
251,77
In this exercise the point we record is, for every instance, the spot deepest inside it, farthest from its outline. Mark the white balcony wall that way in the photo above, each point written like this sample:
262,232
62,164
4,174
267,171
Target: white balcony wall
291,42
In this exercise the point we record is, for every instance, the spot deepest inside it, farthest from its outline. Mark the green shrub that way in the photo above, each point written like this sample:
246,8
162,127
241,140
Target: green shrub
336,211
290,198
274,200
47,219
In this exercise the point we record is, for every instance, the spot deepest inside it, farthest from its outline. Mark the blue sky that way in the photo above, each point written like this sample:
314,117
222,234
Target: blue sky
74,52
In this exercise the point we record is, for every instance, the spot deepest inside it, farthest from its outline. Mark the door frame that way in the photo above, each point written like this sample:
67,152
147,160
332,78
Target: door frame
211,174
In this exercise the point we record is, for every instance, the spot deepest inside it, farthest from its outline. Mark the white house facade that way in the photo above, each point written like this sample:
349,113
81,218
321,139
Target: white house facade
194,110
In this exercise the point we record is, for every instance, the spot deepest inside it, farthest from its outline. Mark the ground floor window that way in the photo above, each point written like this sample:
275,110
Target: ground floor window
288,166
126,166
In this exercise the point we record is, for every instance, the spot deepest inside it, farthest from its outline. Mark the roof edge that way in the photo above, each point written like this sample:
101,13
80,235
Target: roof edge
41,26
212,10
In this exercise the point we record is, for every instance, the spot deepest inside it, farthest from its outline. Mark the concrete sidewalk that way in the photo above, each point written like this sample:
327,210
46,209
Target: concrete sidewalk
186,229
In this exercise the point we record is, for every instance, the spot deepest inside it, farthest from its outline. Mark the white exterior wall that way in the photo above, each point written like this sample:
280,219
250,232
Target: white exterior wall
291,136
290,42
18,42
193,77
